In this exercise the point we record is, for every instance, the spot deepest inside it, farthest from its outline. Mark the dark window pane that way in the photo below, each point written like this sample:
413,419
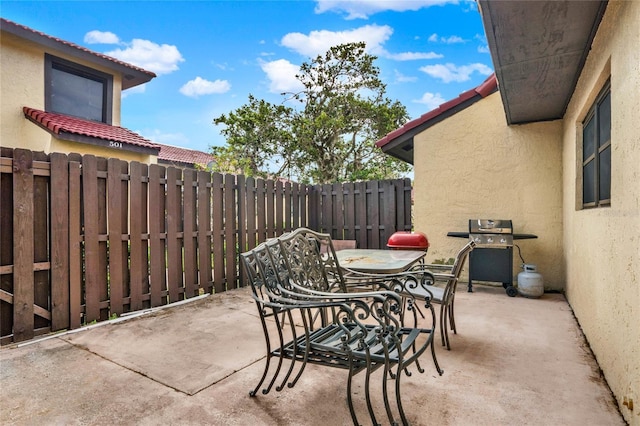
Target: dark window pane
588,139
605,174
588,183
604,120
76,95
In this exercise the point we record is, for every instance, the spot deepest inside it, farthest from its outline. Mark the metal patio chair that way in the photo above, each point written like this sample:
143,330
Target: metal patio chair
354,331
447,276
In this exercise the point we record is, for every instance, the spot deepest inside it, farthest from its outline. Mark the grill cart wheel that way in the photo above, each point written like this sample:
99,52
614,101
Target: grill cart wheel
512,291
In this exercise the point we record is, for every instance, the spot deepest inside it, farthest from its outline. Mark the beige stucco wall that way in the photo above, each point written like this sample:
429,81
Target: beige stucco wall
602,245
472,165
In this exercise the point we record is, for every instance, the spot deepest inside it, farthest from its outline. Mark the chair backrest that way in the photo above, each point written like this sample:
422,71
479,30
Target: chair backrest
461,258
302,251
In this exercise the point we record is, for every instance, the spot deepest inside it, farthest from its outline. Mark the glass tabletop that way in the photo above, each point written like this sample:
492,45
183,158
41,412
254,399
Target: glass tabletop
378,260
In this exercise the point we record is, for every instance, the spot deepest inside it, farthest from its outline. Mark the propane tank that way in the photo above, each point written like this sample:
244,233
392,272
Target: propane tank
530,282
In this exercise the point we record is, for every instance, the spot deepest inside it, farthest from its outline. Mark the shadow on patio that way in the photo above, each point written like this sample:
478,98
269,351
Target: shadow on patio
514,361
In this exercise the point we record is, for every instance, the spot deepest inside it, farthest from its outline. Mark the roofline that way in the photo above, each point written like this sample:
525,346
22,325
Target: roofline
406,133
131,75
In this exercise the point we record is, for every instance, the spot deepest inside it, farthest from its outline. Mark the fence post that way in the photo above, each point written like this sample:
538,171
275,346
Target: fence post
23,280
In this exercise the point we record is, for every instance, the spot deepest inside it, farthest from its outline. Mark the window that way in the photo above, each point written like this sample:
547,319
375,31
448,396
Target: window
596,152
77,90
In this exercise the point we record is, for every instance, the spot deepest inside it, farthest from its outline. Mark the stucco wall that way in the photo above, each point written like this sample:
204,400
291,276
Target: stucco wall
472,165
602,245
22,84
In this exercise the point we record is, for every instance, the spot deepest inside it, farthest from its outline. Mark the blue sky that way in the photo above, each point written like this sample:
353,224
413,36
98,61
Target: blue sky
210,55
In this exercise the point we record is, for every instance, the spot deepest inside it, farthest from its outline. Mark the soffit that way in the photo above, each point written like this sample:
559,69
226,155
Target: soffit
538,50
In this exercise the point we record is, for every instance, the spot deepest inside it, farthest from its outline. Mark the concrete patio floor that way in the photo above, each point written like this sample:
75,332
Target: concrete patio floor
515,361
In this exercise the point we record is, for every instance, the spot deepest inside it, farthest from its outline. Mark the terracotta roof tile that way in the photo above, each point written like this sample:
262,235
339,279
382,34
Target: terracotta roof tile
483,90
175,154
57,123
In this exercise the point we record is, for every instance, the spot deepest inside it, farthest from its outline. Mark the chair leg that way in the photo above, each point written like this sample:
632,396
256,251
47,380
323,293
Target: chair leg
452,319
367,393
444,313
433,341
398,396
268,360
385,391
354,418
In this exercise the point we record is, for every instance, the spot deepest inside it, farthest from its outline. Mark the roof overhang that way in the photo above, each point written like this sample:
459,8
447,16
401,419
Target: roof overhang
131,75
538,50
399,143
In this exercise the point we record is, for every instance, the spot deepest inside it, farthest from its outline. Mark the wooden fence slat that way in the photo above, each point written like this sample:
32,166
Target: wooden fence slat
188,230
361,214
23,279
287,206
251,213
386,205
60,307
279,213
204,231
295,196
271,218
261,212
114,215
76,246
218,239
138,267
6,247
230,228
157,277
374,212
338,211
91,243
349,211
174,249
41,212
407,204
103,246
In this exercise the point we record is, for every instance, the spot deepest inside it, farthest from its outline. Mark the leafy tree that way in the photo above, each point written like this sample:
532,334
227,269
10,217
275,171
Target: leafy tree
342,110
255,134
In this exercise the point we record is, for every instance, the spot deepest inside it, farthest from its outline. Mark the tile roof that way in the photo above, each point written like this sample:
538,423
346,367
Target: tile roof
60,124
138,76
489,86
175,154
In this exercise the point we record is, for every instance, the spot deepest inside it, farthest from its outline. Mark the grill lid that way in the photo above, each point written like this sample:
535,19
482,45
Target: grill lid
490,226
408,241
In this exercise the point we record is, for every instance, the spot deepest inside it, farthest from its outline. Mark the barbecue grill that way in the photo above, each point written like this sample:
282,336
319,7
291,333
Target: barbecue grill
492,259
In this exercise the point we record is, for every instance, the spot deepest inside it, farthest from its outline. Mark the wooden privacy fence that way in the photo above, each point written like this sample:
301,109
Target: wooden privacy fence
83,238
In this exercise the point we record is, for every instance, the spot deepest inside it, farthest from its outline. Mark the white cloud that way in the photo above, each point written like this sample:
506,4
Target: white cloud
483,49
318,42
282,76
101,37
200,86
161,59
362,9
433,38
431,100
450,72
401,78
410,56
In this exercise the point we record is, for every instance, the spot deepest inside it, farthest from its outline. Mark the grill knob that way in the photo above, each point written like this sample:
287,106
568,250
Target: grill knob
490,240
503,240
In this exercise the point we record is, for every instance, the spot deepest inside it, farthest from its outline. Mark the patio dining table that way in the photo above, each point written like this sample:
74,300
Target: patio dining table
379,261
